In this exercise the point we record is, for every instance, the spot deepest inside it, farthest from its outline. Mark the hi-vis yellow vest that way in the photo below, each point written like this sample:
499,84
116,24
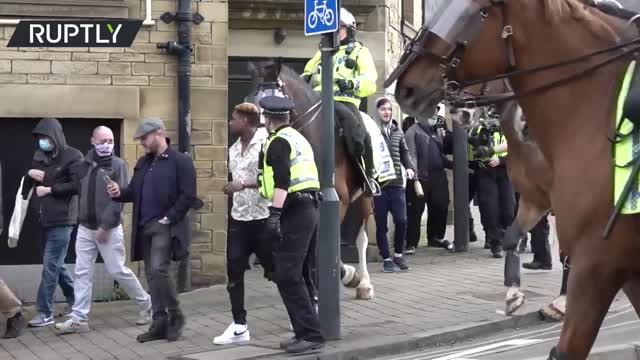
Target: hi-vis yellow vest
304,173
364,75
498,139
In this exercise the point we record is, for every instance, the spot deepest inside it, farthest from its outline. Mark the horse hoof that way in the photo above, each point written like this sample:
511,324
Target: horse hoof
364,293
355,281
514,301
551,313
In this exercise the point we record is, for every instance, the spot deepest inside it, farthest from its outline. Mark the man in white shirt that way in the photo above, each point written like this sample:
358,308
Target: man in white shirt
248,216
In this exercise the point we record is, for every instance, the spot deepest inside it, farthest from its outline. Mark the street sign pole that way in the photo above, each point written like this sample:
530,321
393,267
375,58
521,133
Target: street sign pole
324,19
460,187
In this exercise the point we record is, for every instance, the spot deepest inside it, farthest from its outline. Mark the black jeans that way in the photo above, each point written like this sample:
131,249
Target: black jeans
496,201
294,255
157,258
436,197
245,238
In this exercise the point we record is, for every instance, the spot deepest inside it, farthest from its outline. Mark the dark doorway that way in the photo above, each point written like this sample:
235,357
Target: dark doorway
16,150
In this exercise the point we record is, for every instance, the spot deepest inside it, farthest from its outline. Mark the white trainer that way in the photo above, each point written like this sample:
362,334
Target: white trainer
144,317
73,326
235,333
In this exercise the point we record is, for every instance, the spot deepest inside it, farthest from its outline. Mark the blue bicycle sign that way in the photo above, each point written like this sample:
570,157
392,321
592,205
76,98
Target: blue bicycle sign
320,16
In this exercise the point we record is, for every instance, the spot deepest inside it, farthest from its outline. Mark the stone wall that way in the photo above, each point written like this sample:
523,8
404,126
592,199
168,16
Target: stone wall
133,83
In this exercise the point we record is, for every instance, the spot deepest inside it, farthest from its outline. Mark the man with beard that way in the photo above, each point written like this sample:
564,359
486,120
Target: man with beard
163,189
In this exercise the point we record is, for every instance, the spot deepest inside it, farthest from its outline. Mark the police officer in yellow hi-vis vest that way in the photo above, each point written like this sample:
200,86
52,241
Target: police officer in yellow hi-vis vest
493,188
288,177
354,75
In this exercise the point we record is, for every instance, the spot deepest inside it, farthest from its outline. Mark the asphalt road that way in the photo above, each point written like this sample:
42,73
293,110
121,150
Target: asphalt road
622,326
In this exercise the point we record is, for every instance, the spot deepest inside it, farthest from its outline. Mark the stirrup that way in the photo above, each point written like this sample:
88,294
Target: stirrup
373,186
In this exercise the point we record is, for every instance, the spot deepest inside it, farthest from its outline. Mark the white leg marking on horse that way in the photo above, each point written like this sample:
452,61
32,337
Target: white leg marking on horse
350,273
514,300
365,289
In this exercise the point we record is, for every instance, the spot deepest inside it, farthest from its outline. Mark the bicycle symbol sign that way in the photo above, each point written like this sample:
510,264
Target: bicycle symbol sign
321,16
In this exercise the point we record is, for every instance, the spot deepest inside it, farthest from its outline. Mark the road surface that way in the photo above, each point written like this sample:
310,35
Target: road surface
622,326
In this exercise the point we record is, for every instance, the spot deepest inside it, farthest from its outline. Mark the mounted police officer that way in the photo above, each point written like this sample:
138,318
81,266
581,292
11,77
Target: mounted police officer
288,178
354,74
495,193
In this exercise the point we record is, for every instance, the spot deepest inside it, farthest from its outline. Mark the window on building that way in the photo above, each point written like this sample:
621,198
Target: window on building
112,9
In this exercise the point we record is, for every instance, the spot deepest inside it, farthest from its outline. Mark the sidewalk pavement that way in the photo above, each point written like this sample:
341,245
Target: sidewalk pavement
444,297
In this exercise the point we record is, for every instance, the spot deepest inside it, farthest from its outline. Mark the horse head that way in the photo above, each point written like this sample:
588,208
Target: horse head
468,42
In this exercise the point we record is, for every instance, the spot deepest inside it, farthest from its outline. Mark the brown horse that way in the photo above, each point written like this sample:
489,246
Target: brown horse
467,41
355,207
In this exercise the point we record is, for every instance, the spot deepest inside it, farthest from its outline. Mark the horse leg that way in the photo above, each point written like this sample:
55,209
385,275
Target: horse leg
556,309
632,290
349,277
364,291
592,287
527,217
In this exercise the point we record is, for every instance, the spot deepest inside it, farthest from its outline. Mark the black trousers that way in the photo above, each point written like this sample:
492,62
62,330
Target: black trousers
295,255
356,135
496,201
540,242
245,238
436,198
157,258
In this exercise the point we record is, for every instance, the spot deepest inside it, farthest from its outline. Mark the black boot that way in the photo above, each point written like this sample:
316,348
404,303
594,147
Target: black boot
556,355
157,331
15,326
176,323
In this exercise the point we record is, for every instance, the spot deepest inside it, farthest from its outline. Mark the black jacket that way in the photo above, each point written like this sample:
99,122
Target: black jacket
63,169
428,150
177,195
399,152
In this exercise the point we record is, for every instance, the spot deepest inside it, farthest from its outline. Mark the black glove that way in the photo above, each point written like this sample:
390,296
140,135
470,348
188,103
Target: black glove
273,224
306,78
484,151
344,85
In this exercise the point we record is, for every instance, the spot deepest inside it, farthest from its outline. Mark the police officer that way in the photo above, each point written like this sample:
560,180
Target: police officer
288,177
355,75
495,194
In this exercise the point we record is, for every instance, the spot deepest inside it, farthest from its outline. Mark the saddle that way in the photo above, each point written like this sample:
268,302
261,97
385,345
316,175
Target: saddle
631,109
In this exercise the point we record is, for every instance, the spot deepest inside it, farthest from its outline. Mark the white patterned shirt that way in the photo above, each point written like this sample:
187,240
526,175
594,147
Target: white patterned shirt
248,205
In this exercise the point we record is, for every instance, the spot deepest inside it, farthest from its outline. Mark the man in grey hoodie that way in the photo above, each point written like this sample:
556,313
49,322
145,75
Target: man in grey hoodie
100,230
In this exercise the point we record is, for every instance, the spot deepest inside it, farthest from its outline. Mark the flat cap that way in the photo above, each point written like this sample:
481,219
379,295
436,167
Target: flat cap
148,125
276,105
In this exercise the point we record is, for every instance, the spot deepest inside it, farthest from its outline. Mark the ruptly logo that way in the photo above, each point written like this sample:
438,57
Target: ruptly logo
95,33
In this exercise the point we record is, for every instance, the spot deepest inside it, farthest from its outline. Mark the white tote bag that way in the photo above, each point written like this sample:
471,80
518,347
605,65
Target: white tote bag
19,213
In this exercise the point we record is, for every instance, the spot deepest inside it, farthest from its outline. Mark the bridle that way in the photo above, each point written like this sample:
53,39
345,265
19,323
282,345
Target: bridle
276,87
451,60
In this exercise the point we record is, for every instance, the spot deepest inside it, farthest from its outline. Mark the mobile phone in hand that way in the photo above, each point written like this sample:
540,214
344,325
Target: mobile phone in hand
108,179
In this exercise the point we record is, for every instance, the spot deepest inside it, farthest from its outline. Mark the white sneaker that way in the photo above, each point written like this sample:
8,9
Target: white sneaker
235,333
144,317
73,326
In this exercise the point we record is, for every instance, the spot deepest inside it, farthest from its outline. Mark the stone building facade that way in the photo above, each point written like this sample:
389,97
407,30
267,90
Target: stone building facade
85,87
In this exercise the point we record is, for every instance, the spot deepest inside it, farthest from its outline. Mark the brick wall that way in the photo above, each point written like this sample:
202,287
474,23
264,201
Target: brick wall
152,74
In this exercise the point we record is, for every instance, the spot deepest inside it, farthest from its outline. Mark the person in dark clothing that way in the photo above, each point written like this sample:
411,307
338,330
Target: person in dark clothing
56,171
163,189
392,198
540,247
428,147
495,193
292,187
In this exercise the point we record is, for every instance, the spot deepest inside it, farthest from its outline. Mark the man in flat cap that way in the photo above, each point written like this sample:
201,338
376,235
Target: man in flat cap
163,189
292,187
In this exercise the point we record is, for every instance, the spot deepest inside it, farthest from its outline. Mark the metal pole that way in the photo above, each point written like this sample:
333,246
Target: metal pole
329,233
460,188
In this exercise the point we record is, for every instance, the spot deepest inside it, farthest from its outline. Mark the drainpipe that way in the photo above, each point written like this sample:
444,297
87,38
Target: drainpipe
148,21
183,49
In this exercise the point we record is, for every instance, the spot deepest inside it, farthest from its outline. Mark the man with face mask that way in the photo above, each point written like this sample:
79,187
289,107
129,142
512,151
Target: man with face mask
100,231
428,147
56,171
163,189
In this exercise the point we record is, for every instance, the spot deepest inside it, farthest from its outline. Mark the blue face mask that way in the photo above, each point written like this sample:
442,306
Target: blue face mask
45,145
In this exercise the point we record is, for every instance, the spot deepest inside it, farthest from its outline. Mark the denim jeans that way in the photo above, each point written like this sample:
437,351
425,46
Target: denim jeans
157,258
391,200
54,245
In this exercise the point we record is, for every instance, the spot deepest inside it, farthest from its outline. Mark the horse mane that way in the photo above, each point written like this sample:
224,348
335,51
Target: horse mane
292,79
557,11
